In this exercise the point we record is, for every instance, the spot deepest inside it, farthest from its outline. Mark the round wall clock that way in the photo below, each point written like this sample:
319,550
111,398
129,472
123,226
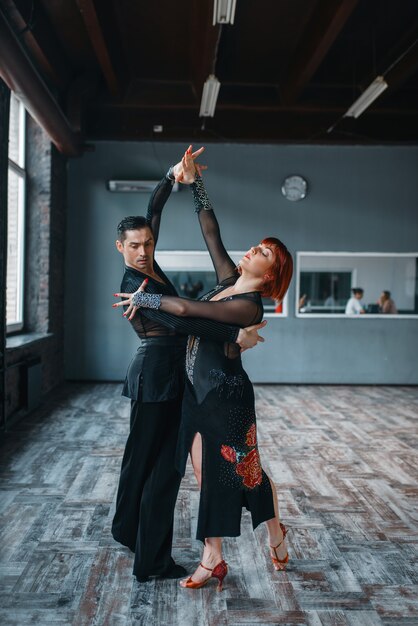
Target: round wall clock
294,188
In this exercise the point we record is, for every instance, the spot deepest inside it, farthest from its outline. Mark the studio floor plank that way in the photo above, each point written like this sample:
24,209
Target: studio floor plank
345,463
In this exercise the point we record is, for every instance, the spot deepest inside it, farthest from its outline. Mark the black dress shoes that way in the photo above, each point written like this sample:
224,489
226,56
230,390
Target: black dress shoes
142,579
174,571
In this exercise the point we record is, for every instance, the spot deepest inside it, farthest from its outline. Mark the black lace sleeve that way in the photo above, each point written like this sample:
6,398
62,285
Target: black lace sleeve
157,201
222,262
242,311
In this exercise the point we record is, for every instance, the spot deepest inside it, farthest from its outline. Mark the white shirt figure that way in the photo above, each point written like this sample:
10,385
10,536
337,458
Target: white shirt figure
353,307
330,301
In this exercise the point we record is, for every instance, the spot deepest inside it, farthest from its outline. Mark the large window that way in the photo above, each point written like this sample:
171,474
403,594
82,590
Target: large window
15,216
357,284
192,273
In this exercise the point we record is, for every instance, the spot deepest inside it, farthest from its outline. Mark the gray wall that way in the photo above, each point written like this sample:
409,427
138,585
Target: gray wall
360,199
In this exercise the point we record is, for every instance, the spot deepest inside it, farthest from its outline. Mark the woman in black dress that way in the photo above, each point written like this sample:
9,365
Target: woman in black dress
218,424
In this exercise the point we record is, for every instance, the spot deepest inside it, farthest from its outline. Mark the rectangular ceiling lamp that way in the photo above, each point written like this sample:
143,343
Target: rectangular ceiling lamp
135,186
209,96
224,11
368,96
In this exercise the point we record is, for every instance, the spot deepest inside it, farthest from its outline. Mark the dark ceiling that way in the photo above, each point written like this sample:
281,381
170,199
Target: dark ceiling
289,69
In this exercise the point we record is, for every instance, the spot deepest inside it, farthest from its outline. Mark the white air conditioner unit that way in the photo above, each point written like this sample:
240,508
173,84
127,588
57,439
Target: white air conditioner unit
135,186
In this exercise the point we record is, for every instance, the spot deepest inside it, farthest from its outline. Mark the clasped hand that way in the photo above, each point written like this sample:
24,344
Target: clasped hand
185,170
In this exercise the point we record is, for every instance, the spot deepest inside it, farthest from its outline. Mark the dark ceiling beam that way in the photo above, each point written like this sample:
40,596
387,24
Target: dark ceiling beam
405,67
315,109
327,21
98,42
20,75
116,124
203,42
41,42
80,92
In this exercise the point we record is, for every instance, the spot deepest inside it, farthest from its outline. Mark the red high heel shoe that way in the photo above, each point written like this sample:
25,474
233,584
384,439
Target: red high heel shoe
219,572
279,564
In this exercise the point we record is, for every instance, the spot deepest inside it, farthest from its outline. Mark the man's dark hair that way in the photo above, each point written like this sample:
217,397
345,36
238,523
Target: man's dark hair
132,222
387,294
357,290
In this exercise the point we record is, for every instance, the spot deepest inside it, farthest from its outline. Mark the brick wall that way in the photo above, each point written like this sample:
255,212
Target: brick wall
4,128
44,269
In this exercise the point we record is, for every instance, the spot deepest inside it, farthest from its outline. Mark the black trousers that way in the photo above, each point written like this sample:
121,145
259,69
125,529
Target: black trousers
148,486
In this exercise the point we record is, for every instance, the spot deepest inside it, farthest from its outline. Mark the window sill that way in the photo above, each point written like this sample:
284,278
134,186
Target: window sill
24,339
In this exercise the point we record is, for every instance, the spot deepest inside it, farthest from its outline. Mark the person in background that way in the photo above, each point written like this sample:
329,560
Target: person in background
386,304
329,301
354,305
304,304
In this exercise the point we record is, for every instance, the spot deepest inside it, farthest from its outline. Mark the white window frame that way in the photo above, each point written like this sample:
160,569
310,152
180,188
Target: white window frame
379,316
18,168
186,260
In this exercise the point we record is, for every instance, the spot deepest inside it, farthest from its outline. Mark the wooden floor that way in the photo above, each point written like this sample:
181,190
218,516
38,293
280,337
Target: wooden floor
344,460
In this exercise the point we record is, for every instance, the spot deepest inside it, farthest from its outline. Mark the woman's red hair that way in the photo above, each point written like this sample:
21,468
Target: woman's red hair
280,272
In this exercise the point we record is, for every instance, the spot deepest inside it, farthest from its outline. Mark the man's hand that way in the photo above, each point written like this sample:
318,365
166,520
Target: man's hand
185,171
249,337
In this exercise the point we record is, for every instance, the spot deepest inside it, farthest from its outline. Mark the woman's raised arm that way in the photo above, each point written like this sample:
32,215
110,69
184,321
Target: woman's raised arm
222,262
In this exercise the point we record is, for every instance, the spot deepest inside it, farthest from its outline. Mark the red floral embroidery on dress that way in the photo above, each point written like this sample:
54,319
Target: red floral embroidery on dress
250,469
229,454
252,436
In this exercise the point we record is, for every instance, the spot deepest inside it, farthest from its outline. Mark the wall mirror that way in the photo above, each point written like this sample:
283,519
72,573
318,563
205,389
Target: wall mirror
325,283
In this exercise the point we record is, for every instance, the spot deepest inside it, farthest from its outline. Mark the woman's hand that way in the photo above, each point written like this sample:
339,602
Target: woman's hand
132,309
185,171
249,337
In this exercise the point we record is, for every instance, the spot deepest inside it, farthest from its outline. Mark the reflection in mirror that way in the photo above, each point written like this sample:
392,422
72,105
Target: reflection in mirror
192,274
355,284
192,283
